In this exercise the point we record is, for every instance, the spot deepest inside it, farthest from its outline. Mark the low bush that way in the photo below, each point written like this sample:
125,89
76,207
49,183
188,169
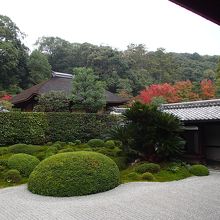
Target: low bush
148,167
26,149
110,144
3,150
71,144
12,176
2,168
199,170
58,146
133,176
96,143
66,150
147,176
24,163
74,174
4,162
77,142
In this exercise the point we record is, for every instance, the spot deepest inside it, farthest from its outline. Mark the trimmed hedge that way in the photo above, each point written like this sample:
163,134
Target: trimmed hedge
74,174
24,163
96,143
39,127
12,176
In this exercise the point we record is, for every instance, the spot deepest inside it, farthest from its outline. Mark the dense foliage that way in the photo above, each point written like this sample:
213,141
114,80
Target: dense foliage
12,176
88,93
181,91
148,167
125,72
38,128
24,163
53,101
74,174
150,132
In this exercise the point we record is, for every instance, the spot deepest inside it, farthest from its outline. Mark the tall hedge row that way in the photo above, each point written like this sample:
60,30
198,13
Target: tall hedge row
39,128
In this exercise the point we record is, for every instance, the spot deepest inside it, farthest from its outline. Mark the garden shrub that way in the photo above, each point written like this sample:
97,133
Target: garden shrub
24,163
96,143
147,176
133,176
77,142
148,167
2,168
199,170
4,162
58,146
110,144
71,144
12,176
74,174
66,150
3,150
27,149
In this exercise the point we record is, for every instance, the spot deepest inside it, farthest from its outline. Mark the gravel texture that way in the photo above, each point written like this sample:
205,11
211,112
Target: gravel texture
193,198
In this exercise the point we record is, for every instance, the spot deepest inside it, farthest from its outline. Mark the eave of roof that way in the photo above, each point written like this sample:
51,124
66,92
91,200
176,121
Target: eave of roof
208,9
197,111
59,82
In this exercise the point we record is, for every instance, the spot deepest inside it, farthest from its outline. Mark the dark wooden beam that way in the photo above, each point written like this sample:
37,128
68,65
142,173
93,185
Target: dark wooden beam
209,9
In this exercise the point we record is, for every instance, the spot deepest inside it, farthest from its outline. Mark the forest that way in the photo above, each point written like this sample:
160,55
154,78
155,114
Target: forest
126,72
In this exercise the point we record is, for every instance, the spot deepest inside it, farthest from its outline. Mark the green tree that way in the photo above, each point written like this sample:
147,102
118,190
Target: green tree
13,56
88,92
54,101
39,67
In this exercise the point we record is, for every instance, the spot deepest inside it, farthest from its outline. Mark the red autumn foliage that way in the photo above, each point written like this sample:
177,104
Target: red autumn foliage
167,91
6,97
179,92
207,89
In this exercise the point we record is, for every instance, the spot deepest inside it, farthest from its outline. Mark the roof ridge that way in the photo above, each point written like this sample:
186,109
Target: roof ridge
192,104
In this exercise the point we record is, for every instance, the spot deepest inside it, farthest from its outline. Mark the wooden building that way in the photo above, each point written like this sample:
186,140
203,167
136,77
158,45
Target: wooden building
201,121
26,100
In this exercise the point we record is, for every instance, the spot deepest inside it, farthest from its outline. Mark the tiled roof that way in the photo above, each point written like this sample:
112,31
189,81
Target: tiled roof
206,110
59,82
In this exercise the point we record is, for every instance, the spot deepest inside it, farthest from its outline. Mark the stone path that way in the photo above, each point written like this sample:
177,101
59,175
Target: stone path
196,198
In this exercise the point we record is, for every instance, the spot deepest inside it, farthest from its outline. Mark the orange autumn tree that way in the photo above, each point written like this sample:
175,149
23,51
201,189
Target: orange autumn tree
207,89
184,90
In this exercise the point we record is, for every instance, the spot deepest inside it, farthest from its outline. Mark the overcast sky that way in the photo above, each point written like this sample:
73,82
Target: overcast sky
117,23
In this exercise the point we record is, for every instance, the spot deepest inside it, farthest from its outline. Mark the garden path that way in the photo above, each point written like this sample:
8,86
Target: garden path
195,198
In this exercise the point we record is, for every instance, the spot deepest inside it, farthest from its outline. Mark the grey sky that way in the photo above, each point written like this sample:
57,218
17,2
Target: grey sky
117,23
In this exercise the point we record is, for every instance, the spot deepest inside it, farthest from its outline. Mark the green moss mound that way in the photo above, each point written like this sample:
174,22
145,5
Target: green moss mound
148,167
199,170
147,176
12,176
24,163
96,143
74,174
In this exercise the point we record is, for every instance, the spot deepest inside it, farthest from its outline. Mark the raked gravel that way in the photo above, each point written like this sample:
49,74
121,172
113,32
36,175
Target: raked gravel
193,198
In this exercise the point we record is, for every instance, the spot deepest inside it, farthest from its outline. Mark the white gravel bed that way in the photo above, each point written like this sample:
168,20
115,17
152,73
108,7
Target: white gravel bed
195,198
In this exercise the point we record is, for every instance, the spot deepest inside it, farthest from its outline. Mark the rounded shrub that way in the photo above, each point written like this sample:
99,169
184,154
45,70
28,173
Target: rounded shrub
96,143
3,150
12,176
147,176
4,162
148,167
133,176
199,170
58,146
2,168
110,144
74,174
24,163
